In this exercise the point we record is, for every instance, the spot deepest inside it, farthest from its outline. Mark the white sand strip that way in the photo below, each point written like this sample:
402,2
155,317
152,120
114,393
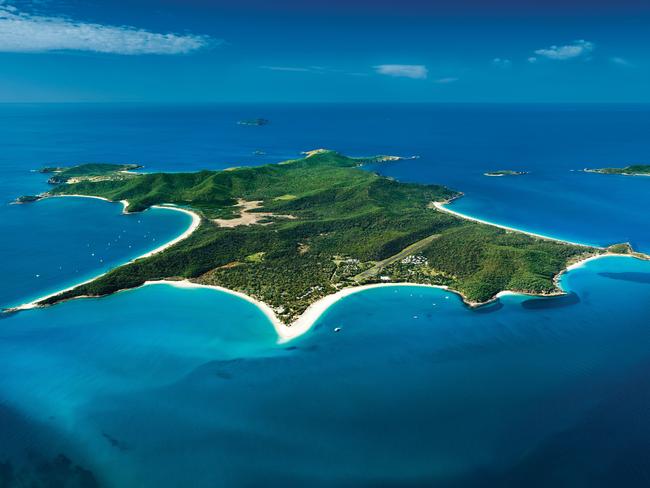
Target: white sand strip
196,221
266,310
441,206
124,203
308,318
316,310
313,313
581,263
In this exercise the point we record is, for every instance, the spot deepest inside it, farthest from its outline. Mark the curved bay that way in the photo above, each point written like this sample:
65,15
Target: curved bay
412,376
58,242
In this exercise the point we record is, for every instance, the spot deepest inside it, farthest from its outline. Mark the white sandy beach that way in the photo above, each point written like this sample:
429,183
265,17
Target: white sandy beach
583,262
308,318
123,202
281,329
311,315
196,221
441,206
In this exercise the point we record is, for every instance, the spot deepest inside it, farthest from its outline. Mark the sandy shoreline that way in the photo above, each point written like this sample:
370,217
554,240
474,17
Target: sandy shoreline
282,330
124,203
315,311
441,206
583,262
196,221
308,318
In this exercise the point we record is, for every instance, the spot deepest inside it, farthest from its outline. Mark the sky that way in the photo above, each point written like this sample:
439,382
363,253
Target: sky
199,51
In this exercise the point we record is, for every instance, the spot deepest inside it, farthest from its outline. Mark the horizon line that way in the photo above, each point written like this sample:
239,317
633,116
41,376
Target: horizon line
388,102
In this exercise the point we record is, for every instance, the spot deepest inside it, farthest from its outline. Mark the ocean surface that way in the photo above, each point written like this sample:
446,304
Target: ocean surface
59,242
168,387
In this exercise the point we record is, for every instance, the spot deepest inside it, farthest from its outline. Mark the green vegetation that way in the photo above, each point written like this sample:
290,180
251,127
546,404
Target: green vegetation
28,199
485,260
382,158
286,197
623,248
341,226
51,169
635,169
506,172
257,257
88,171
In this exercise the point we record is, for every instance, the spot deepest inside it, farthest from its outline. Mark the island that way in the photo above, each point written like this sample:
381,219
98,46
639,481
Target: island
363,161
506,172
632,170
89,171
254,122
289,234
382,158
27,199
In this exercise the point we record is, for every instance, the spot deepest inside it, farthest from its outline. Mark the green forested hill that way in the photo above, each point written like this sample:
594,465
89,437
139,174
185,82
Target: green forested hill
326,223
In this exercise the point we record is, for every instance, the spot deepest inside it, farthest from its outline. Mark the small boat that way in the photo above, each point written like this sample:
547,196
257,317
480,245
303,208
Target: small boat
337,329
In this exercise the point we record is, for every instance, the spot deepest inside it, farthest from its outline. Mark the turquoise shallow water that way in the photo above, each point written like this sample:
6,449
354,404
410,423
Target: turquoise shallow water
60,360
166,387
156,386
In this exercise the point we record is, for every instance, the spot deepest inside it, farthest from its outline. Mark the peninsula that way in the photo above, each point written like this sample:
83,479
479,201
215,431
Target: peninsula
632,170
89,171
292,233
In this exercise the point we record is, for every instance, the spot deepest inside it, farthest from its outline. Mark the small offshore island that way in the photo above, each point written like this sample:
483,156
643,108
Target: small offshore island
505,172
632,170
292,233
254,122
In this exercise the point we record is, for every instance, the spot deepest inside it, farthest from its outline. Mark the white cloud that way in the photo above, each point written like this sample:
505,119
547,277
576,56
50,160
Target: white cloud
24,33
304,69
446,81
287,68
569,51
415,71
502,62
532,59
620,61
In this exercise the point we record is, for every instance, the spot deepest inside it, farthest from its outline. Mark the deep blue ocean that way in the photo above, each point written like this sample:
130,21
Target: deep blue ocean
166,387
